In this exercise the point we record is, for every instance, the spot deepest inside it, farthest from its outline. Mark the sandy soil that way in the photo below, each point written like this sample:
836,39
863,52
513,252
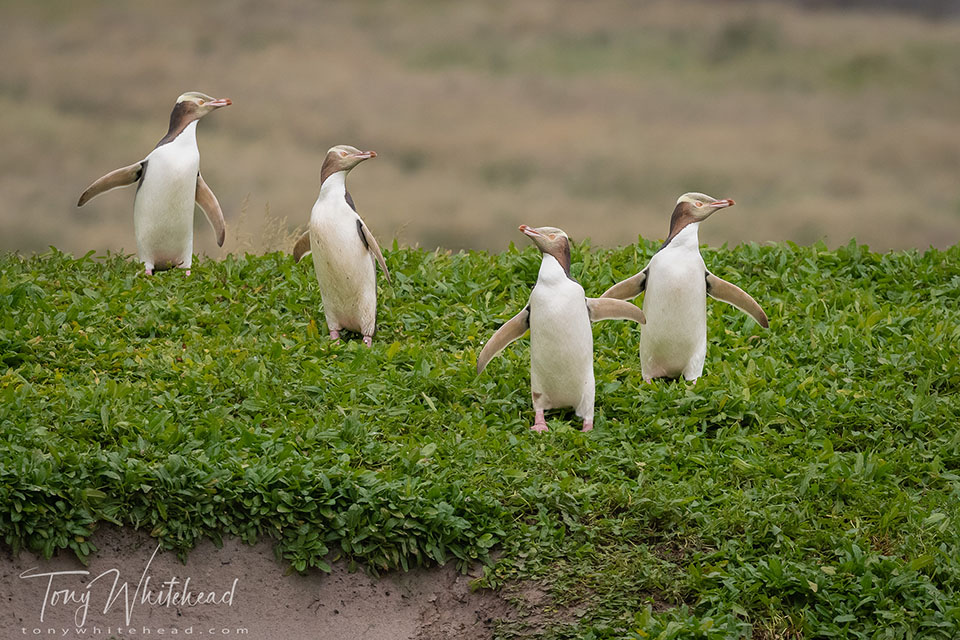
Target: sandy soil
252,597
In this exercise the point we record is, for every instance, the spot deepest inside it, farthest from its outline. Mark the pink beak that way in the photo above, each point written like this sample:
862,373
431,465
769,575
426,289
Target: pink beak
220,102
530,231
364,155
720,204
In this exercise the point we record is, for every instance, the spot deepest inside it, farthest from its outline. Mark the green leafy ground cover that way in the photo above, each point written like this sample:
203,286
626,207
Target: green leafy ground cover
806,486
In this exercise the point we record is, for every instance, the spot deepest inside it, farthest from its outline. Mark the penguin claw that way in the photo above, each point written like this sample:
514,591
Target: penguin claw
334,335
368,340
148,272
539,428
587,426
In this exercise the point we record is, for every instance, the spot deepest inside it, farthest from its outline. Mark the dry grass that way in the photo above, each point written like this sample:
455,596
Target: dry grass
588,116
273,233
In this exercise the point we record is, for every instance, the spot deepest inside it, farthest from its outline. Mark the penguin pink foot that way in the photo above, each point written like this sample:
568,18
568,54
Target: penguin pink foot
368,340
148,271
334,335
539,423
587,426
188,272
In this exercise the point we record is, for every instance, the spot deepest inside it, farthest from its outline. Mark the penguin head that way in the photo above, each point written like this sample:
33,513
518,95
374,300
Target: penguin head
190,107
343,157
699,206
197,105
693,208
551,241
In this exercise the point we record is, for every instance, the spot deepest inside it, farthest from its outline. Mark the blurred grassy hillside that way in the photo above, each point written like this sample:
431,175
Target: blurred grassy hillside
592,116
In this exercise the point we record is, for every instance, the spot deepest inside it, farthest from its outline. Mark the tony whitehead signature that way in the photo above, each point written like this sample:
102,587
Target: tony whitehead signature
171,592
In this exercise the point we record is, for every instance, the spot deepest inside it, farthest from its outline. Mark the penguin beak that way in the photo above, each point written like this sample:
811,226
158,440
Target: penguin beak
722,204
530,231
220,102
365,155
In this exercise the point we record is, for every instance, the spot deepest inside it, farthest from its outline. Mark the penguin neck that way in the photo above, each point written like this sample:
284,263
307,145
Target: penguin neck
189,134
560,252
334,200
183,119
332,164
551,271
333,184
686,239
186,137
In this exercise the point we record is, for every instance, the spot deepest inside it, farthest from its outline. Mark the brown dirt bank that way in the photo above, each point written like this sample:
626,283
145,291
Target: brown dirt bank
243,591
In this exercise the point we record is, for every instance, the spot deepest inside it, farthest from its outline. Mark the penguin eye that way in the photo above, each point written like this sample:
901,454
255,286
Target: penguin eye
552,236
699,204
343,154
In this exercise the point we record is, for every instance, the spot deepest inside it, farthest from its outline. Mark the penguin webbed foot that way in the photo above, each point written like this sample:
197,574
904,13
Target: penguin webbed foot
677,378
539,423
587,426
335,337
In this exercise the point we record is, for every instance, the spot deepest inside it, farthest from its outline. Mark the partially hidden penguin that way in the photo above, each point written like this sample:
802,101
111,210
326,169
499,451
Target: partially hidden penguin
558,316
168,185
676,283
345,253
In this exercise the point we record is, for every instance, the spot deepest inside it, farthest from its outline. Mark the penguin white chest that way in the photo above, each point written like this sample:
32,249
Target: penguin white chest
164,205
344,266
561,342
674,339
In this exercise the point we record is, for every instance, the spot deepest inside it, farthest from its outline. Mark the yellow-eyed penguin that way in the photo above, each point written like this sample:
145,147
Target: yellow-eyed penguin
561,341
169,182
673,342
344,250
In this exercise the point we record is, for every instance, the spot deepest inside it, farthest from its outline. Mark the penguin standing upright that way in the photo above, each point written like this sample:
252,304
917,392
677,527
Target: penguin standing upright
169,183
345,253
676,281
561,341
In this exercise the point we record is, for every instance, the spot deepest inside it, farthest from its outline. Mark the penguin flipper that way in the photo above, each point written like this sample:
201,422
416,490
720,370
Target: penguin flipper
302,247
211,208
721,290
117,178
371,243
629,288
613,309
512,329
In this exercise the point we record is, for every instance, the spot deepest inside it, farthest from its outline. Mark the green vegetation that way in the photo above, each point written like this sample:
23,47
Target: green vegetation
806,486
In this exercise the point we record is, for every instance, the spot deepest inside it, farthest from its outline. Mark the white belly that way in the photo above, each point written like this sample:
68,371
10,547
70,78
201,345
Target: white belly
674,339
346,273
164,207
561,349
